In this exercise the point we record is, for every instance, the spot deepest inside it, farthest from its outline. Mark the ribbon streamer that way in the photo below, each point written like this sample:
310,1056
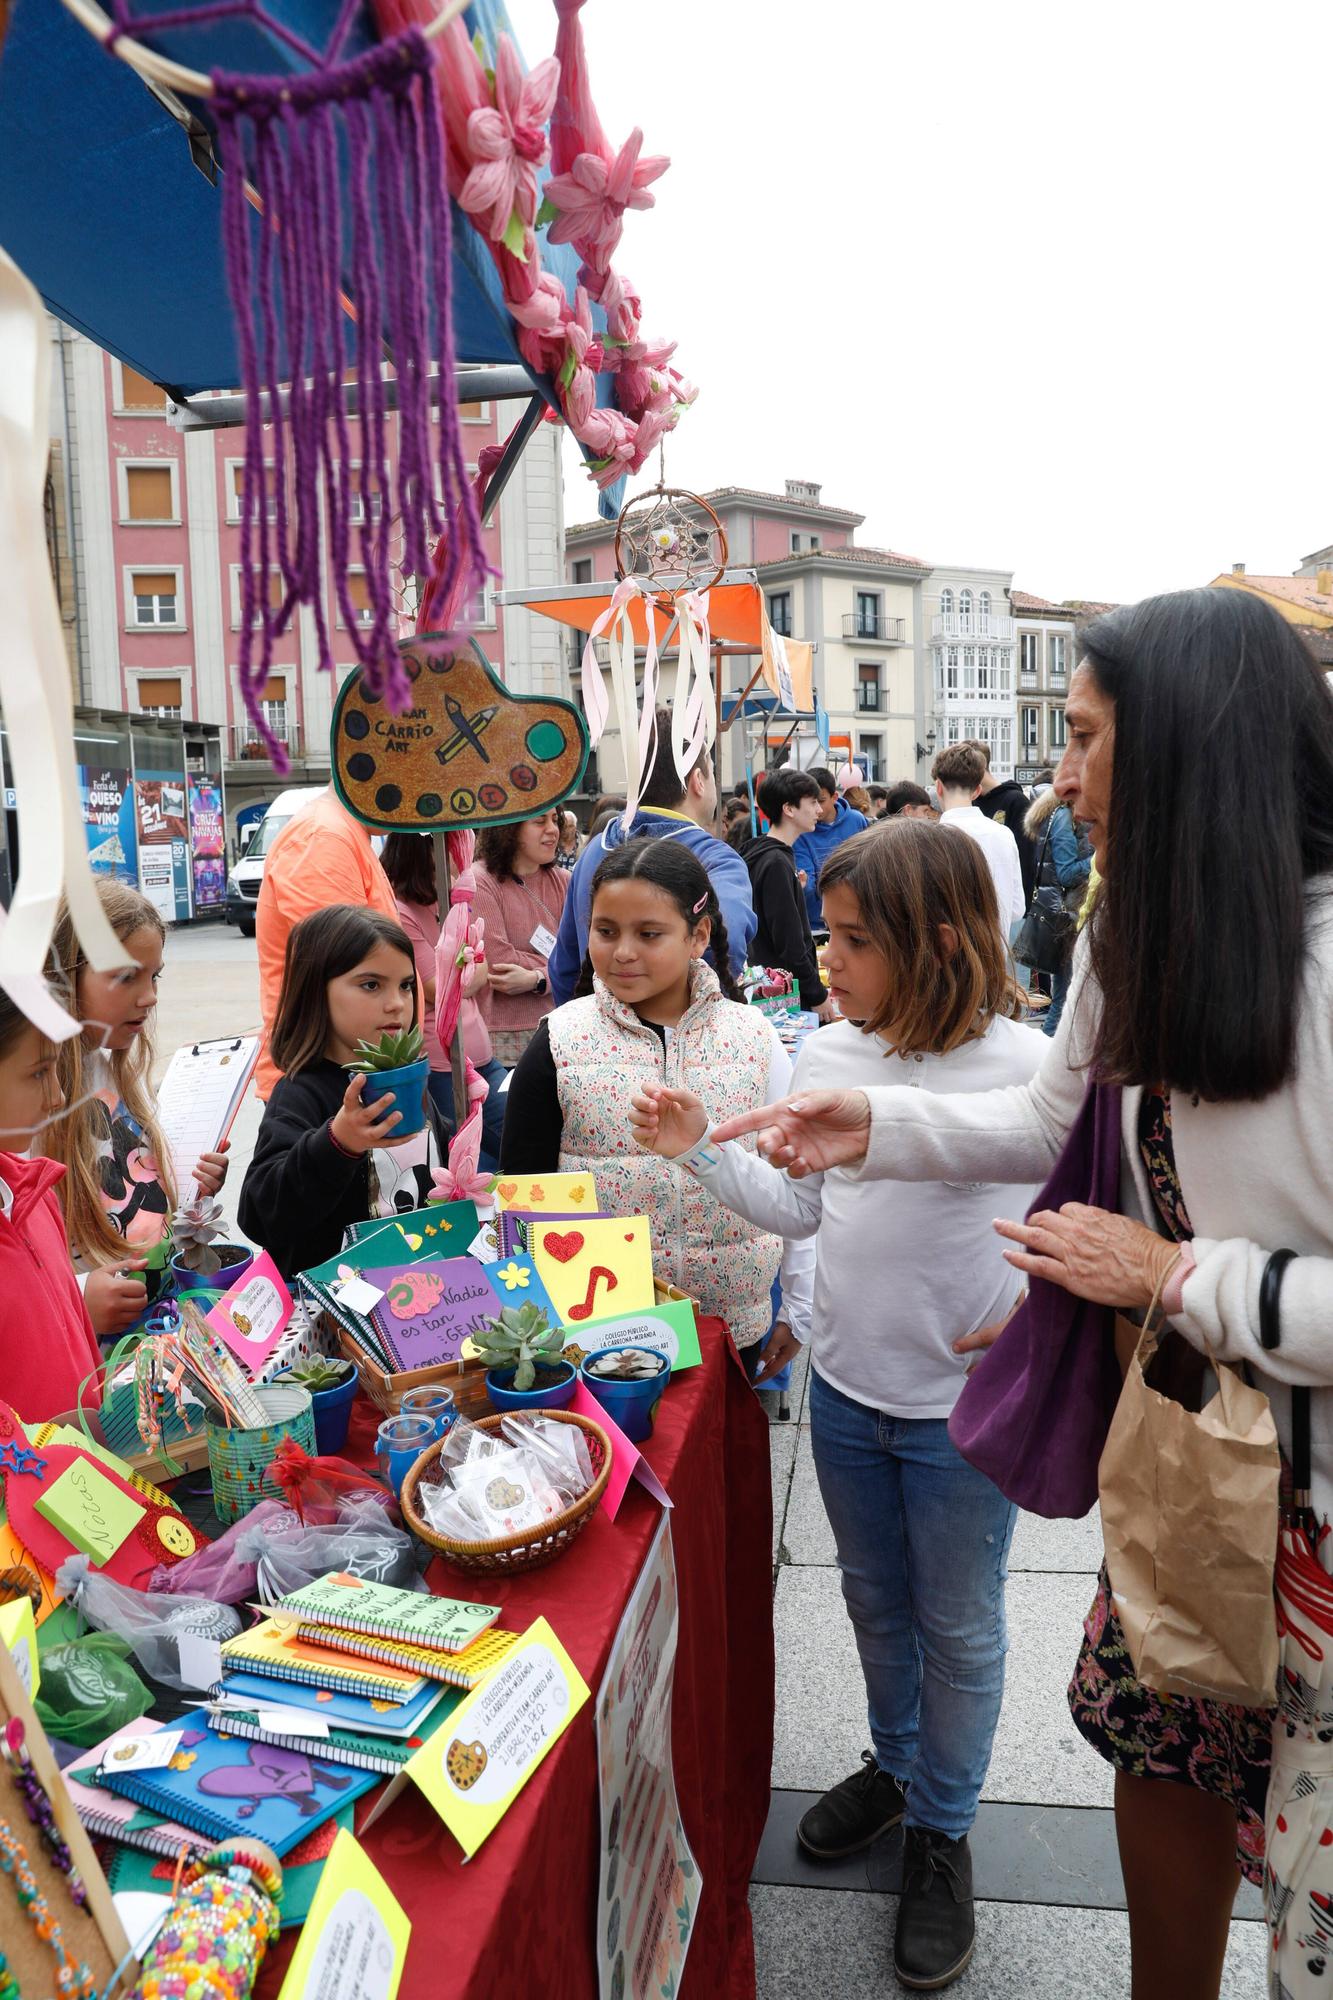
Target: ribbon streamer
693,715
35,688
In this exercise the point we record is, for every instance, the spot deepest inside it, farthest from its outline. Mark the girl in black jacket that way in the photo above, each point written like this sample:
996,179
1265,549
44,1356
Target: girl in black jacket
324,1159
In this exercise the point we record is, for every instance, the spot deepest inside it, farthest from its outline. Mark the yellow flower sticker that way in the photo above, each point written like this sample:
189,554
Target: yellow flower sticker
182,1760
514,1277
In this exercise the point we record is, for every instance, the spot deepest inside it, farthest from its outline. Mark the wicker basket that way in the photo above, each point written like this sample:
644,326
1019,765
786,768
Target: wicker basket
467,1379
511,1555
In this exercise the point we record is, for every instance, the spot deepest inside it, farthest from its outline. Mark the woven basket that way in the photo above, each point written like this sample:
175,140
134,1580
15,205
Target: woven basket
467,1379
510,1555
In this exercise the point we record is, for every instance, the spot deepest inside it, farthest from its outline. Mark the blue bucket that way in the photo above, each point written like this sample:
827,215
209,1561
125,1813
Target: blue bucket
632,1405
407,1088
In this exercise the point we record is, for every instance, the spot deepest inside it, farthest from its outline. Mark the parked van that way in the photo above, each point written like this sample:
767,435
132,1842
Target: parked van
245,878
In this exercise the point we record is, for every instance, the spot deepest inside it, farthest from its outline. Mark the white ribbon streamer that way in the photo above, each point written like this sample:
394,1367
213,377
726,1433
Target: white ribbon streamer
693,715
35,690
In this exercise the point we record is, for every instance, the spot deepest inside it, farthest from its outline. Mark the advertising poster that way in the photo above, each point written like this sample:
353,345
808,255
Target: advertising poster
107,800
649,1886
164,843
207,845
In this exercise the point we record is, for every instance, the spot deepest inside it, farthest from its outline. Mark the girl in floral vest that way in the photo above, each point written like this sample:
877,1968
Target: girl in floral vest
650,1009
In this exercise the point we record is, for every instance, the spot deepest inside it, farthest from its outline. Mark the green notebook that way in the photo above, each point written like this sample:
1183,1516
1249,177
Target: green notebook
383,1611
154,1874
385,1754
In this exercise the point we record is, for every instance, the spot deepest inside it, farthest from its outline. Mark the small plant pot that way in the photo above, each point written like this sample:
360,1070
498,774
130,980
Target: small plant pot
236,1261
632,1405
333,1411
556,1396
407,1088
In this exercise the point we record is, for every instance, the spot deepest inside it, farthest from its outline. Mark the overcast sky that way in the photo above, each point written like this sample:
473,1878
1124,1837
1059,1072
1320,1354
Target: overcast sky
1041,286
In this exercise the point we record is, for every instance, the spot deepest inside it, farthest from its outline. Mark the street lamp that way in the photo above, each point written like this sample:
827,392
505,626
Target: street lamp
927,748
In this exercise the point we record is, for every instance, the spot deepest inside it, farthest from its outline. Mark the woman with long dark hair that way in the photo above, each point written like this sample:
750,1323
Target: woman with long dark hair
1201,759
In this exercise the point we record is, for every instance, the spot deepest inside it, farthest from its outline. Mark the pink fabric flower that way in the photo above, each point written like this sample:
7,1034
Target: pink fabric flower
507,141
593,196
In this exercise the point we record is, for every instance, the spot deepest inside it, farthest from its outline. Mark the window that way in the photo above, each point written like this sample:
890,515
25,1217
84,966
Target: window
795,543
779,612
867,614
148,492
474,413
160,695
1030,717
946,604
1006,750
138,396
953,729
814,541
1055,655
276,591
275,714
358,596
870,756
965,611
951,671
969,670
583,570
983,604
154,597
356,499
236,490
1006,673
1058,737
480,608
869,693
1029,657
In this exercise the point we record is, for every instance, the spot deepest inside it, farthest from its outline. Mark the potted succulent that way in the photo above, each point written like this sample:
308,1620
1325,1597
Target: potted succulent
525,1369
331,1384
396,1066
197,1255
628,1382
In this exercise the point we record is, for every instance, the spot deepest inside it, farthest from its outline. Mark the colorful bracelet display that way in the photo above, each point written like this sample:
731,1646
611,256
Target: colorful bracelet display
218,1929
74,1978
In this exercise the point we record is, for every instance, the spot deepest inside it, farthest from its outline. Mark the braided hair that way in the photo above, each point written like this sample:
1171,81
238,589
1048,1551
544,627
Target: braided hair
673,868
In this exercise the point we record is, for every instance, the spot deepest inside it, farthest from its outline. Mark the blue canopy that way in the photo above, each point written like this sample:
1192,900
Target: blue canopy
103,207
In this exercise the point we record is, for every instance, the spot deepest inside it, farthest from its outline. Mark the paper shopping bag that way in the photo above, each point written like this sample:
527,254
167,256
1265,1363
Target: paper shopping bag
1190,1516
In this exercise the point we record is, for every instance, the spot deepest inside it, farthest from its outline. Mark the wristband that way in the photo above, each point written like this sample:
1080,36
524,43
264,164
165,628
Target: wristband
338,1145
701,1156
1186,1262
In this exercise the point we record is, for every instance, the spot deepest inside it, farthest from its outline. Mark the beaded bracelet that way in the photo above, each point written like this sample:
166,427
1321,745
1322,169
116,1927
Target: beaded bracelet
40,1810
74,1979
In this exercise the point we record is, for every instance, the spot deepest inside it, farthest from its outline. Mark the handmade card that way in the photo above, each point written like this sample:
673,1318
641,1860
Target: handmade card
515,1226
627,1461
427,1310
354,1941
89,1510
514,1281
441,1229
596,1267
559,1193
474,1770
670,1329
253,1315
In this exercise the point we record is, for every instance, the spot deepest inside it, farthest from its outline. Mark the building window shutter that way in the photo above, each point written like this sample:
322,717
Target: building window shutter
161,693
138,392
148,493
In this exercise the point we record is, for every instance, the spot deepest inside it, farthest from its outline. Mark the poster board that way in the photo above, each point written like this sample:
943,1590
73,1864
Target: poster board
648,1883
97,1938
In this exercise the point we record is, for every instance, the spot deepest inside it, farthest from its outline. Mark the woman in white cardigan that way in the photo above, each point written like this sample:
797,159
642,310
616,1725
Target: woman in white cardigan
1201,755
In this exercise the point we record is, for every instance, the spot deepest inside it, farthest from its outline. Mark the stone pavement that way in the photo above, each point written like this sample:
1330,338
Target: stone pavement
1050,1918
1050,1907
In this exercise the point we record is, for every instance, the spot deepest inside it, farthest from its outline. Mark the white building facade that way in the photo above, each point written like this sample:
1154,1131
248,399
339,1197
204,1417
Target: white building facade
970,675
1045,657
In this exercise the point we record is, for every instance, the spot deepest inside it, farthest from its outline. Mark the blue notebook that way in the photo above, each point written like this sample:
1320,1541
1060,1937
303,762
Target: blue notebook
349,1711
226,1787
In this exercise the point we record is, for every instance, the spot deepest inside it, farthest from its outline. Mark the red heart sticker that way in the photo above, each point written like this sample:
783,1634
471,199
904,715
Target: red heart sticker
562,1248
629,1235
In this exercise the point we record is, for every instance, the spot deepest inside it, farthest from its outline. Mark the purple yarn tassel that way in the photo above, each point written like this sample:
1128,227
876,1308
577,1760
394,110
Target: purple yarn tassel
347,163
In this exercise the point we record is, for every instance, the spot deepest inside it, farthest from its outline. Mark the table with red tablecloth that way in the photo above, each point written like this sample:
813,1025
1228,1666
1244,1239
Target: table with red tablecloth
519,1917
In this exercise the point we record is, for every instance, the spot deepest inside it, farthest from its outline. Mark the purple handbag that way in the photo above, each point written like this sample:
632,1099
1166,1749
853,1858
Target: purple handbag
1034,1416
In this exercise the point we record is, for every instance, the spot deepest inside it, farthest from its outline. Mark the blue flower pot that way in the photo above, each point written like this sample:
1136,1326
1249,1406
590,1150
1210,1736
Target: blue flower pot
407,1088
236,1261
333,1413
503,1396
632,1405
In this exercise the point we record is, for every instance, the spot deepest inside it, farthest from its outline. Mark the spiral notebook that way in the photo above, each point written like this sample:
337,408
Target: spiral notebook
354,1712
385,1755
268,1650
383,1611
465,1669
224,1787
109,1817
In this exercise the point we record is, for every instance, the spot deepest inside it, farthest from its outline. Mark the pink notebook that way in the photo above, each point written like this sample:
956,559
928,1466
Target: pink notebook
110,1817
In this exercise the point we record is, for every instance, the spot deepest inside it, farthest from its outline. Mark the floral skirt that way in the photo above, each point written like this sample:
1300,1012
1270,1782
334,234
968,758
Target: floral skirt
1212,1745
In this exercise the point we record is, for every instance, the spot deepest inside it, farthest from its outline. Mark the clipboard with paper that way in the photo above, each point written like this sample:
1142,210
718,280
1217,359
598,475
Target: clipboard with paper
200,1095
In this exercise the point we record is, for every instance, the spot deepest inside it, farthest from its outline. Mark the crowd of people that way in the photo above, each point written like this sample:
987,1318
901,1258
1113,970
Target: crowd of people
879,1199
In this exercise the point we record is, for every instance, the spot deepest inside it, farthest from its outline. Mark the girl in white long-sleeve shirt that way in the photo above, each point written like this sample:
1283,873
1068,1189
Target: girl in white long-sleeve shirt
910,1283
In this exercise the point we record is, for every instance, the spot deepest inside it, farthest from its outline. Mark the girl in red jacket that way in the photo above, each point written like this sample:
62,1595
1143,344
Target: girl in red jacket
47,1344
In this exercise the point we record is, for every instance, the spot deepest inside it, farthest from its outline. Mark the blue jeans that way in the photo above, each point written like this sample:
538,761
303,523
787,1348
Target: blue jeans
923,1543
492,1111
1050,1020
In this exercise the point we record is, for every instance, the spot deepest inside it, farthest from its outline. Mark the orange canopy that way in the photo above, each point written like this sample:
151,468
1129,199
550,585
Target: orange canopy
735,611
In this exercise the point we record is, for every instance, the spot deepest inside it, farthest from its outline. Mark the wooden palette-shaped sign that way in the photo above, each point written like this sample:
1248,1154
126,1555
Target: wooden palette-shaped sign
466,753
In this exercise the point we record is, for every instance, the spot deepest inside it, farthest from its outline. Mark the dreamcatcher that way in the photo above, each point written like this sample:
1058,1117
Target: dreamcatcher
671,549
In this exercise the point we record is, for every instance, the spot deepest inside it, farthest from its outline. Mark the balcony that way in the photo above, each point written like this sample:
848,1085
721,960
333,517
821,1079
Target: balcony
246,746
873,629
971,625
869,700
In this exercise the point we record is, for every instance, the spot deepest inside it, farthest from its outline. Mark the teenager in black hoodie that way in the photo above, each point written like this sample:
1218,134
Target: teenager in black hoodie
1004,801
324,1159
789,800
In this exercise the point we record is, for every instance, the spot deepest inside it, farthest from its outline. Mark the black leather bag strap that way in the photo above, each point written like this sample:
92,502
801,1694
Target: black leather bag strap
1270,1336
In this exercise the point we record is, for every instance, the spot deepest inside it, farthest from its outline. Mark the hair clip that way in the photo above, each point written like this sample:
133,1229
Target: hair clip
701,902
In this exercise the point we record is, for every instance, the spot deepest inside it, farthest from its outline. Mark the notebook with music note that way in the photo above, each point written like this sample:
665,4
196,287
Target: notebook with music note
595,1266
199,1097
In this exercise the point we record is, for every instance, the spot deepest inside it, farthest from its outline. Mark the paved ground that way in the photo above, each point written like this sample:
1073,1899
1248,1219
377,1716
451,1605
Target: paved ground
1051,1917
